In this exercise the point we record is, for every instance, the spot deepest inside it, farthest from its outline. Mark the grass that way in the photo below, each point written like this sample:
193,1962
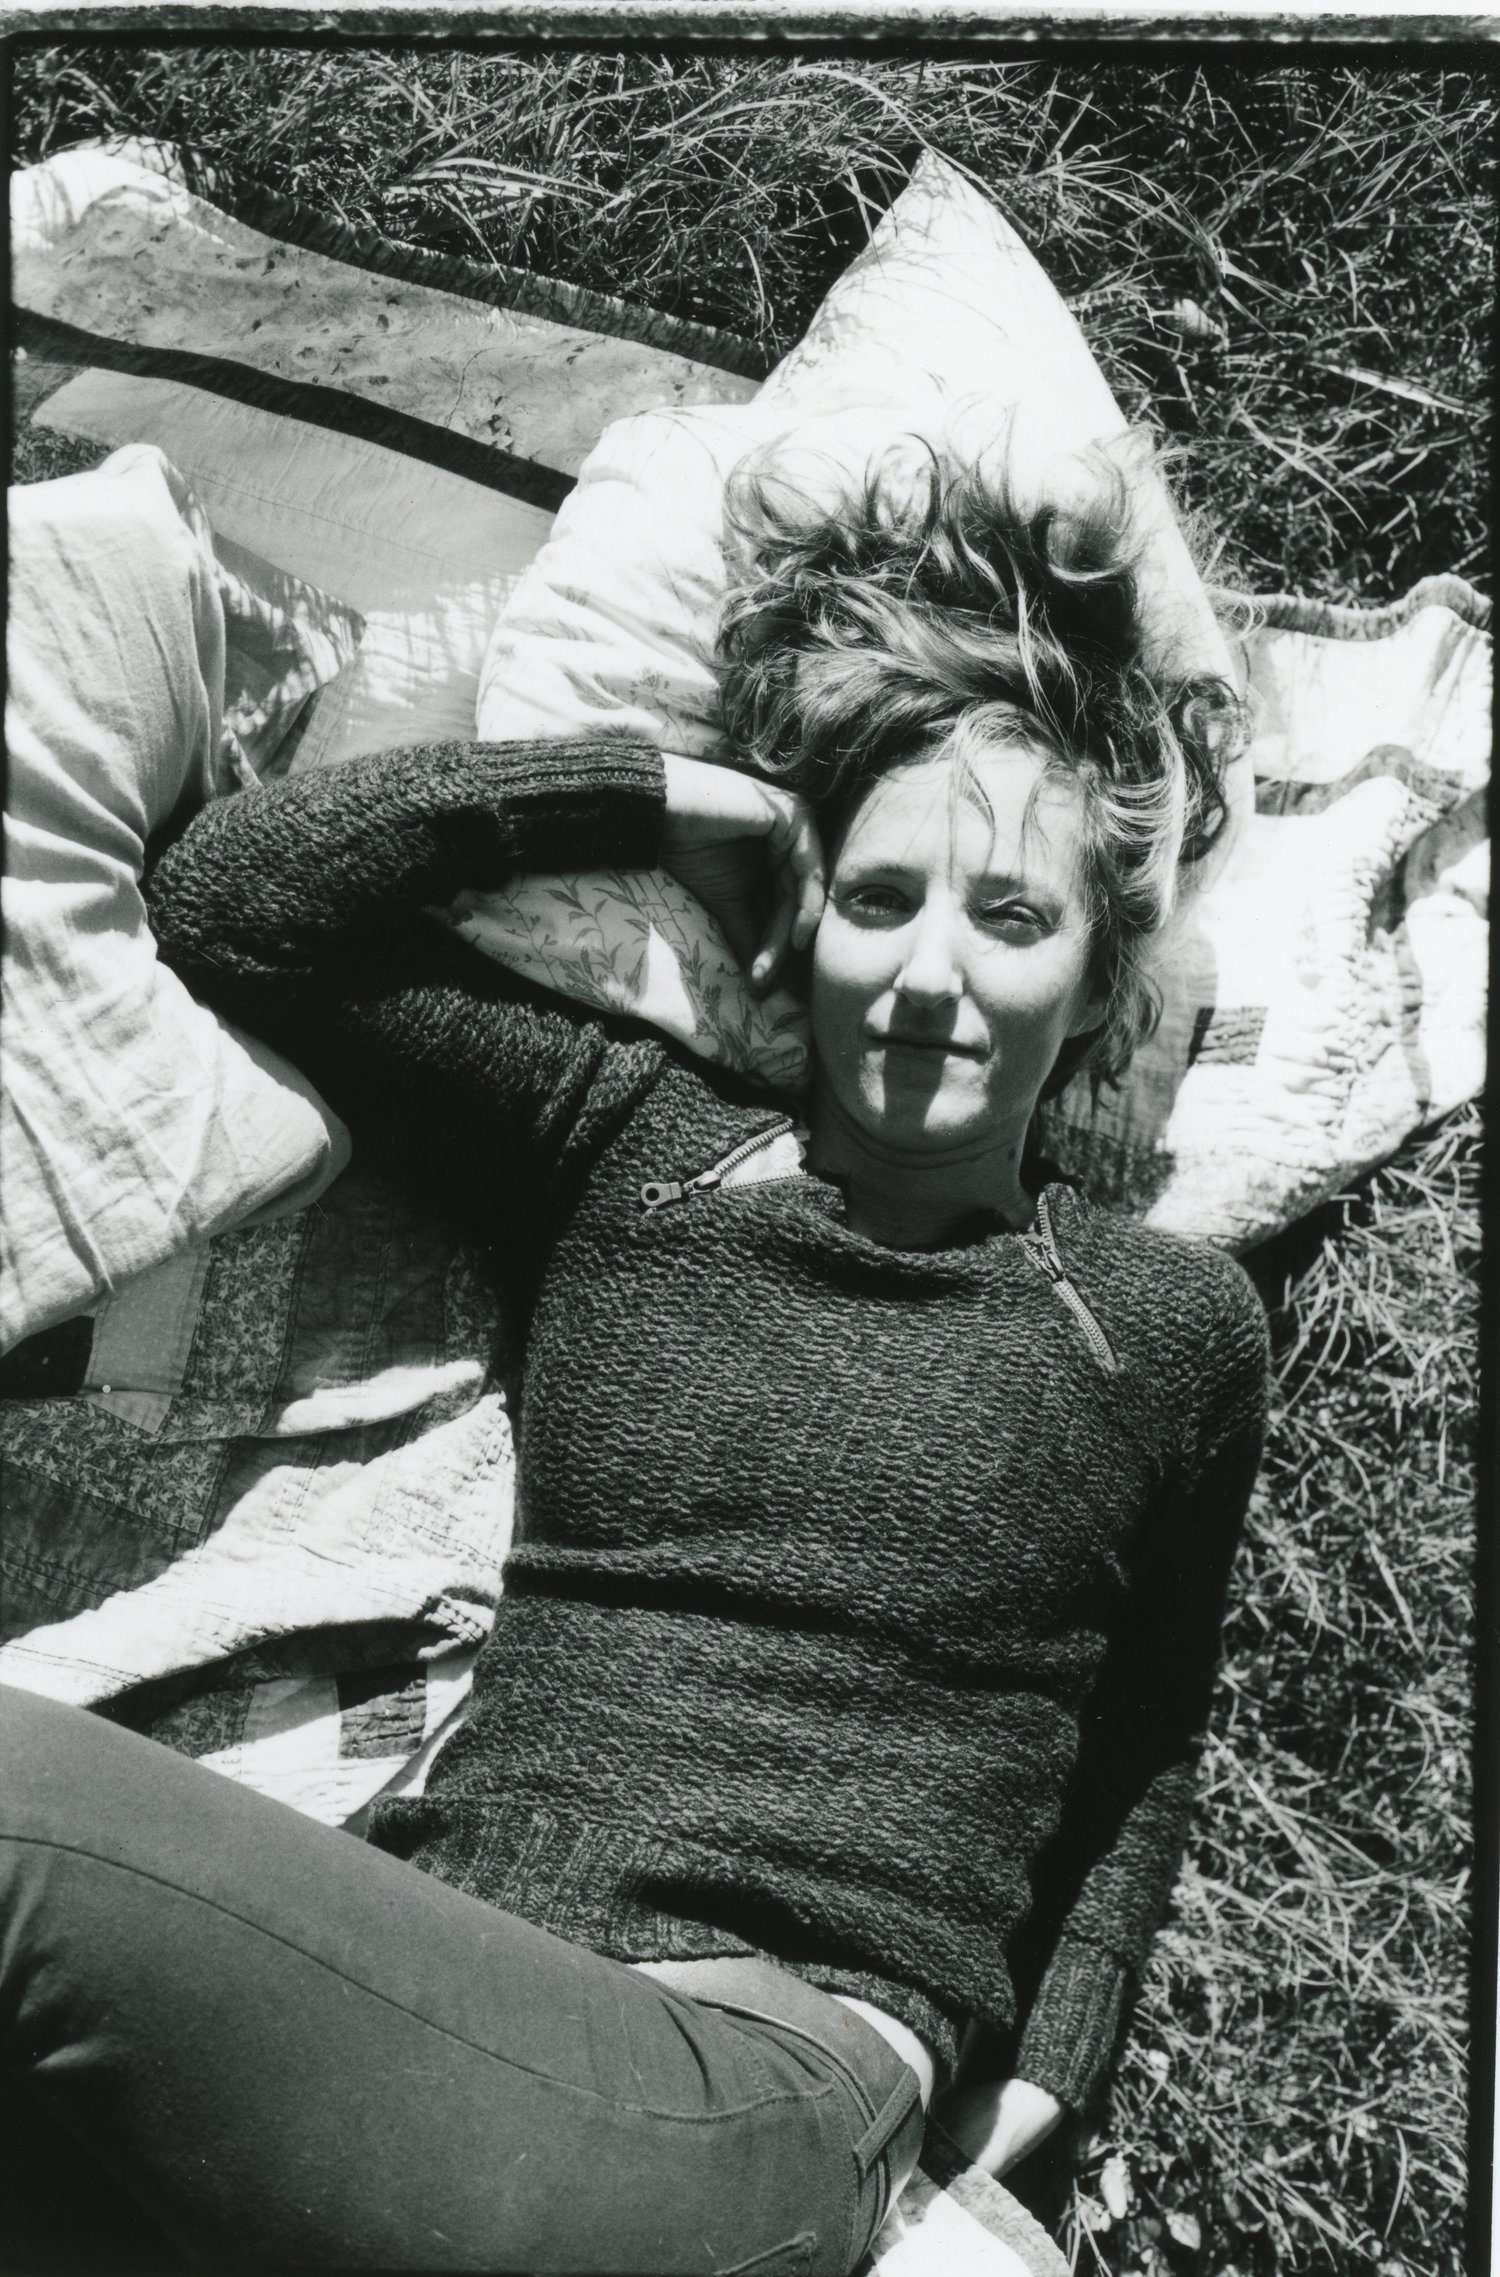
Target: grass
1321,1930
1287,269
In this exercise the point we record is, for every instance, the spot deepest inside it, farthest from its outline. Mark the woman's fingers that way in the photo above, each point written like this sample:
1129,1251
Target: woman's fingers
709,806
805,859
772,951
797,885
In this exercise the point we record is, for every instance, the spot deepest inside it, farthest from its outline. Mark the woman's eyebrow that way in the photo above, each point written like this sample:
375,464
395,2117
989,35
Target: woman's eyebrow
1017,881
877,866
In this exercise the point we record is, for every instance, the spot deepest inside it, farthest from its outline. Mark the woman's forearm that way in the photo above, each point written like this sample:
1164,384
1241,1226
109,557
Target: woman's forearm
302,912
315,870
1109,1874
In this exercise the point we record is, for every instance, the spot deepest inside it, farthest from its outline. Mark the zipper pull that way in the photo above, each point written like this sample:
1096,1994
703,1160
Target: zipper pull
1051,1264
661,1193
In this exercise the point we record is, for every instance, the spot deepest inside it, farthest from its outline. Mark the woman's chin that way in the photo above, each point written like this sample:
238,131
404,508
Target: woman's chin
932,1123
916,1111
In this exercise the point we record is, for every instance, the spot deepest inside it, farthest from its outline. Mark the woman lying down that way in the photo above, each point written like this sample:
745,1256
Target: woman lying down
876,1494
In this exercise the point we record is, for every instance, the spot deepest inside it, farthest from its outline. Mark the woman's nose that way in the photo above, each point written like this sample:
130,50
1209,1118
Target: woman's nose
930,973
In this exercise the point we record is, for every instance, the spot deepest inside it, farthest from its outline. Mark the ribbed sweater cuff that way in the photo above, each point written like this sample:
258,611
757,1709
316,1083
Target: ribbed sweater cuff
583,802
1070,2032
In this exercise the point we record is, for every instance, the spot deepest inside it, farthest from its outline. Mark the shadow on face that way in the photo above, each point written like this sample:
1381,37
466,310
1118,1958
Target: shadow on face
955,957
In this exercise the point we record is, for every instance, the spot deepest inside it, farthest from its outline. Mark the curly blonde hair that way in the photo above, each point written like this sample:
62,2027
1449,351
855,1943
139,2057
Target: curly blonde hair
929,610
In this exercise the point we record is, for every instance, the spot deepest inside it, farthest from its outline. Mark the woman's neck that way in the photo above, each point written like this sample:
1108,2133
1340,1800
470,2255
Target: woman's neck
918,1197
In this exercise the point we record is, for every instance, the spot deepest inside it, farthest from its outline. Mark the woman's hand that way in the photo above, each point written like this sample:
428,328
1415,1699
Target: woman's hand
767,896
997,2121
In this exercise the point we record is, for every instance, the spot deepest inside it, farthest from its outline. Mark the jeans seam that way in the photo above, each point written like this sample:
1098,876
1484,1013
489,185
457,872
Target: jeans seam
865,2110
852,2240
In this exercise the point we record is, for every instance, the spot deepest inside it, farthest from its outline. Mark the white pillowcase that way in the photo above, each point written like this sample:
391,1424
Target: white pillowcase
132,1121
945,329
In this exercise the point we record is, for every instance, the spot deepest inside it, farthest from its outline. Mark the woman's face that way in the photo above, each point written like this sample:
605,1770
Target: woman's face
953,959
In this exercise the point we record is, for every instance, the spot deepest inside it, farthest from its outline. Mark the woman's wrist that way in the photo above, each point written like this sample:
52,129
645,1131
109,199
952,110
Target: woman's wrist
998,2122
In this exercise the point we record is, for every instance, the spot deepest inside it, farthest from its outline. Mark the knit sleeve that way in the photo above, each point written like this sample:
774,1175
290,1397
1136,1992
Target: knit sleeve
1108,1876
301,911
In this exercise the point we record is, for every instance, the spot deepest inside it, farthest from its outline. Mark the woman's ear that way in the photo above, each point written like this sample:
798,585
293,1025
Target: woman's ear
1092,1006
1071,1060
1089,1011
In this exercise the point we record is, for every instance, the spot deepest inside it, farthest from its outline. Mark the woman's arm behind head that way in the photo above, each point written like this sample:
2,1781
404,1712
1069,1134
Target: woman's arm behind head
302,910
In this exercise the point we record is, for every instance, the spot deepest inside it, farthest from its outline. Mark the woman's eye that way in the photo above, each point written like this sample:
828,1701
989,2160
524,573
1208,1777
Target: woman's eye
871,901
1012,918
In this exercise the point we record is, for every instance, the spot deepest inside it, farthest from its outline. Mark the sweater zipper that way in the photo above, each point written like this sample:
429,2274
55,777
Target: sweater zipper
1042,1249
661,1193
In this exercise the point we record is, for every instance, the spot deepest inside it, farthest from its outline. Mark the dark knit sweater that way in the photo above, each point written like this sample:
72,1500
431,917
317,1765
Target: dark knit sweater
856,1612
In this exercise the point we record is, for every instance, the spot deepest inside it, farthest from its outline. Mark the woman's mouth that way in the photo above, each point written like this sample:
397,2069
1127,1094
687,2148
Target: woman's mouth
899,1040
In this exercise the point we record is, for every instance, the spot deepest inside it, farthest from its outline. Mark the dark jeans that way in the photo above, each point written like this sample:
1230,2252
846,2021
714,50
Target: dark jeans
291,2049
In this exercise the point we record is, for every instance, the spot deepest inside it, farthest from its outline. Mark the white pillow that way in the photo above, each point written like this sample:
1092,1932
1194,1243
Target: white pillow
132,1121
945,328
